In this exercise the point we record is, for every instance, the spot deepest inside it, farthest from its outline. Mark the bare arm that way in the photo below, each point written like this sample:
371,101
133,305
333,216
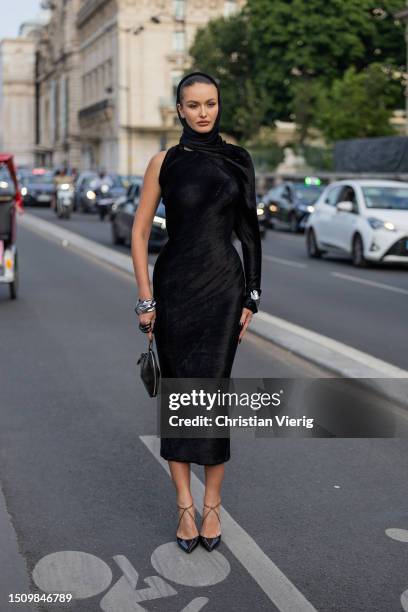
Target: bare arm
142,224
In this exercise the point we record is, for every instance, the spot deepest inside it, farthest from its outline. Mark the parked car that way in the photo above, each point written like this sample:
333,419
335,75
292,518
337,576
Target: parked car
366,219
123,214
37,186
290,203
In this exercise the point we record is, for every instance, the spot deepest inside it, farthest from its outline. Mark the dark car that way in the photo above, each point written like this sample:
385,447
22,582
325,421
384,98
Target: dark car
290,203
123,214
84,198
107,188
262,218
37,187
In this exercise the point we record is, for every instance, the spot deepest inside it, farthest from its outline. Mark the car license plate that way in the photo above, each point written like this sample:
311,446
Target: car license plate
43,197
105,202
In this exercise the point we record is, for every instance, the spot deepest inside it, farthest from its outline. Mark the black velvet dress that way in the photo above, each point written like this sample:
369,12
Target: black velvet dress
199,282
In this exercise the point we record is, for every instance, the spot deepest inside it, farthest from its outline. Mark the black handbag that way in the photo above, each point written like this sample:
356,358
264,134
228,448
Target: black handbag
149,370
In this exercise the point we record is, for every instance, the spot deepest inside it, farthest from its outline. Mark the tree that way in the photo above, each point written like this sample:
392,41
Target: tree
316,39
223,49
276,55
358,105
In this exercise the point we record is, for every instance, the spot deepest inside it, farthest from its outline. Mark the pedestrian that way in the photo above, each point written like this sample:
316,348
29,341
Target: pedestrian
203,299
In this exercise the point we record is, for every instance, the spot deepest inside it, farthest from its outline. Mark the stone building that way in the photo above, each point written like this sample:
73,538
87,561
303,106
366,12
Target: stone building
17,88
133,53
58,82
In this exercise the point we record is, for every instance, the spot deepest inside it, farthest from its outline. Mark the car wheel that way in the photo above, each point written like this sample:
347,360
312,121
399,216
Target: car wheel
293,224
13,287
358,252
116,239
311,245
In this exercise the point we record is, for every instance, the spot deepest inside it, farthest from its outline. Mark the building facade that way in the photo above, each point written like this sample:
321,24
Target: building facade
17,94
58,83
133,53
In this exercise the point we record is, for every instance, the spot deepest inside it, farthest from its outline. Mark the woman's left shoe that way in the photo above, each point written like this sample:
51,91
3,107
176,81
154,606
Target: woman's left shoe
210,543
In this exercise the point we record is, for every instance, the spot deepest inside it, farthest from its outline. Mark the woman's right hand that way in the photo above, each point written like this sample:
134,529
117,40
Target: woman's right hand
148,317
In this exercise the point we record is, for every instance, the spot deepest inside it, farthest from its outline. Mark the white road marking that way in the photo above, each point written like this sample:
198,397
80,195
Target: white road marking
401,535
276,586
365,281
287,262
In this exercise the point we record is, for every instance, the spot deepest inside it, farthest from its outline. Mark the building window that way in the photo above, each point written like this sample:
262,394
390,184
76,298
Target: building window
179,41
230,8
179,9
175,79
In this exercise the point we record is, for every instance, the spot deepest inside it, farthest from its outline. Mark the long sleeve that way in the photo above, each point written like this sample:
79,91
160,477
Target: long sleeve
247,229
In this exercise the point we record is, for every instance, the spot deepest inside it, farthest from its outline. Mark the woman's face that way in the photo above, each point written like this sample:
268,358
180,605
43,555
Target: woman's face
199,106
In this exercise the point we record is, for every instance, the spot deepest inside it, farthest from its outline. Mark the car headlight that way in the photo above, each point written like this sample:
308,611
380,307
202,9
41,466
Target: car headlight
24,191
273,207
380,224
260,211
3,184
91,195
310,208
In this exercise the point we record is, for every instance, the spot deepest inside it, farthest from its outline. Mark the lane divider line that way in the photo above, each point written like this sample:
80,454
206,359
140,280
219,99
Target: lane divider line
273,582
371,283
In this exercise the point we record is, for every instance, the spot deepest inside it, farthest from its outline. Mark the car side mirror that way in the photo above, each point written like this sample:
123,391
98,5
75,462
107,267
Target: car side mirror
345,206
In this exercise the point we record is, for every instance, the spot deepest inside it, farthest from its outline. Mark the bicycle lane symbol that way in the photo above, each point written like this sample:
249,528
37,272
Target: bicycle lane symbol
86,575
400,535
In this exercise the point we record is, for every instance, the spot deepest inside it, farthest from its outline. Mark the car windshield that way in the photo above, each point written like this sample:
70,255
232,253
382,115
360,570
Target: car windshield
35,179
308,193
386,197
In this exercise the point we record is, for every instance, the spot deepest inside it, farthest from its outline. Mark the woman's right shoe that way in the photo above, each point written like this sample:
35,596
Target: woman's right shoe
211,543
186,544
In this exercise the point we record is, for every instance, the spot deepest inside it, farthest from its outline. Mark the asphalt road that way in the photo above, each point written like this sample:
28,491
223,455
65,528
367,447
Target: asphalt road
365,309
90,503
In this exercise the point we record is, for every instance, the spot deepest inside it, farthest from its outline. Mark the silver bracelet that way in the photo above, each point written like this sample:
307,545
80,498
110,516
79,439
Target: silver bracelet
145,306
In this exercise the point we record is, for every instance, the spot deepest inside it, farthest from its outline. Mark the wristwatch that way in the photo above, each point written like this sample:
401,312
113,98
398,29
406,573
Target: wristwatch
256,297
252,300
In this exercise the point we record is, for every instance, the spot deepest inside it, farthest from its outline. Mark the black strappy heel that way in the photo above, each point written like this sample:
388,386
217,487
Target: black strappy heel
211,543
186,545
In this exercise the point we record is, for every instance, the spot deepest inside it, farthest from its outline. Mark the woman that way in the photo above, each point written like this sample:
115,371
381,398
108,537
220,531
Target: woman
202,302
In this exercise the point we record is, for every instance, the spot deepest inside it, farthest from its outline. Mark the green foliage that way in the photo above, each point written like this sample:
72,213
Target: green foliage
276,58
357,105
222,48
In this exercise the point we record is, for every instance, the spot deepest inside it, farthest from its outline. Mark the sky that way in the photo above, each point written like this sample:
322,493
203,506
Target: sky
17,12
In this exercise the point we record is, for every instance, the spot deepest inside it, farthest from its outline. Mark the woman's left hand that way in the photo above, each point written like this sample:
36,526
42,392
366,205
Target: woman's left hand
244,321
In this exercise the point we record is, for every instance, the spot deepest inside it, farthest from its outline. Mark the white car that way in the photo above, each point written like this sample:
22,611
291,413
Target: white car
367,219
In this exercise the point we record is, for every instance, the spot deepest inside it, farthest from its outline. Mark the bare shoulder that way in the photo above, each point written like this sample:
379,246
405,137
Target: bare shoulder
155,163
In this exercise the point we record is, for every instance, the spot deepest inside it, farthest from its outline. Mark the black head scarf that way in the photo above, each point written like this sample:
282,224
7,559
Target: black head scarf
204,141
212,143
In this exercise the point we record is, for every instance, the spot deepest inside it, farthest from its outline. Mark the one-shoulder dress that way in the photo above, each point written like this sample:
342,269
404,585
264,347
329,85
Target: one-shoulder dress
199,282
